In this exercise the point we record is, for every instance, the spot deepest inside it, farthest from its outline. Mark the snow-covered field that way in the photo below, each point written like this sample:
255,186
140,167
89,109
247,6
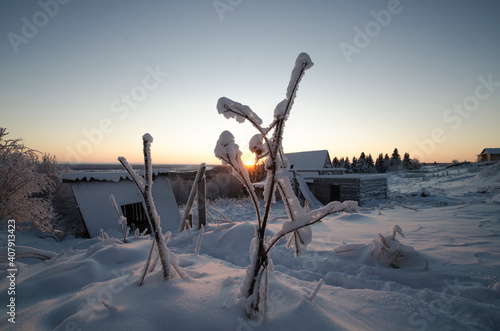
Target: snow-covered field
449,217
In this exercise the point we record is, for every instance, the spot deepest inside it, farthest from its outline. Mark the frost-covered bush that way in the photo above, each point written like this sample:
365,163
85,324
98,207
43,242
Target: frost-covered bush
267,146
224,185
23,189
385,250
219,185
181,188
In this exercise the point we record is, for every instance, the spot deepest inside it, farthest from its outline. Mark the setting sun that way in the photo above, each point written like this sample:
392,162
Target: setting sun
248,160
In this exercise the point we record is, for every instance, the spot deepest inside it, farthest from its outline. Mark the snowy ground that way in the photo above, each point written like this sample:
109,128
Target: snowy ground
450,217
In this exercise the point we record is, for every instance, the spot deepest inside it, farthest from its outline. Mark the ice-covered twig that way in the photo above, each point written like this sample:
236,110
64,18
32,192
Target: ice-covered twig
145,269
121,219
138,180
233,109
145,187
302,237
163,250
229,153
397,229
311,218
316,289
192,194
110,307
400,205
271,148
223,215
198,244
212,217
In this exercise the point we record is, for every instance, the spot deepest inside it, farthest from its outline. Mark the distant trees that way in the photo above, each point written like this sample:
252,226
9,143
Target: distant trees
257,172
365,164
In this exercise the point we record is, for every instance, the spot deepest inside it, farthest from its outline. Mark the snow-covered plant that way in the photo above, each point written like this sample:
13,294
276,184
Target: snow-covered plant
103,234
145,188
390,249
267,146
122,220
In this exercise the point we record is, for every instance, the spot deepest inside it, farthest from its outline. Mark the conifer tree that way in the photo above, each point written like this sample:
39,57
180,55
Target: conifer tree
347,164
395,158
387,163
407,162
369,164
354,164
335,162
379,164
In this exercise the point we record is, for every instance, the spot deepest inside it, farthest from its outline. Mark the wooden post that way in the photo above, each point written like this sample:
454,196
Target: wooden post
202,197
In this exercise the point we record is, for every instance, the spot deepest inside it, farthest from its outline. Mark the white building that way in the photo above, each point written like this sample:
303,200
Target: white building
92,191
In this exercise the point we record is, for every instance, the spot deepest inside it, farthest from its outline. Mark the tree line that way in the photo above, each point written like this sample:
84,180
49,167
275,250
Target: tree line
383,163
362,164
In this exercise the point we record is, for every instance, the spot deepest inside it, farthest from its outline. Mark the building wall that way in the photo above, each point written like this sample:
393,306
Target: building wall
98,212
350,187
487,156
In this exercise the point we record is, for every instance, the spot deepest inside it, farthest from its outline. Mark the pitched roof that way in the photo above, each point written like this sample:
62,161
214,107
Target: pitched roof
309,160
490,151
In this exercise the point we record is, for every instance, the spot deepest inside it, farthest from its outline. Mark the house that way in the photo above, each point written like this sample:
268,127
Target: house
315,181
489,154
309,160
358,187
92,191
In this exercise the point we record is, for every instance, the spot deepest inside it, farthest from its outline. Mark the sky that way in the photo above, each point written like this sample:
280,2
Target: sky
84,80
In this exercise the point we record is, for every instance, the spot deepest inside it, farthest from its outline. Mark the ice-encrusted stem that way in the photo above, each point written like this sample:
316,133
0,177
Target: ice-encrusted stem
270,148
122,220
163,251
145,187
192,194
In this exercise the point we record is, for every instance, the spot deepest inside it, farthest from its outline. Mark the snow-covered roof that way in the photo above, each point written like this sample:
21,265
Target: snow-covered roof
309,159
114,176
490,151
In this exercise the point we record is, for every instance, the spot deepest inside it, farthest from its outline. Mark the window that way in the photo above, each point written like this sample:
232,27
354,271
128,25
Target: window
136,216
334,192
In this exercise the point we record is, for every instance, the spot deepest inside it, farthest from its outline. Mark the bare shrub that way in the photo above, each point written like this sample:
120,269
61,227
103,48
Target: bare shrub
219,185
181,188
